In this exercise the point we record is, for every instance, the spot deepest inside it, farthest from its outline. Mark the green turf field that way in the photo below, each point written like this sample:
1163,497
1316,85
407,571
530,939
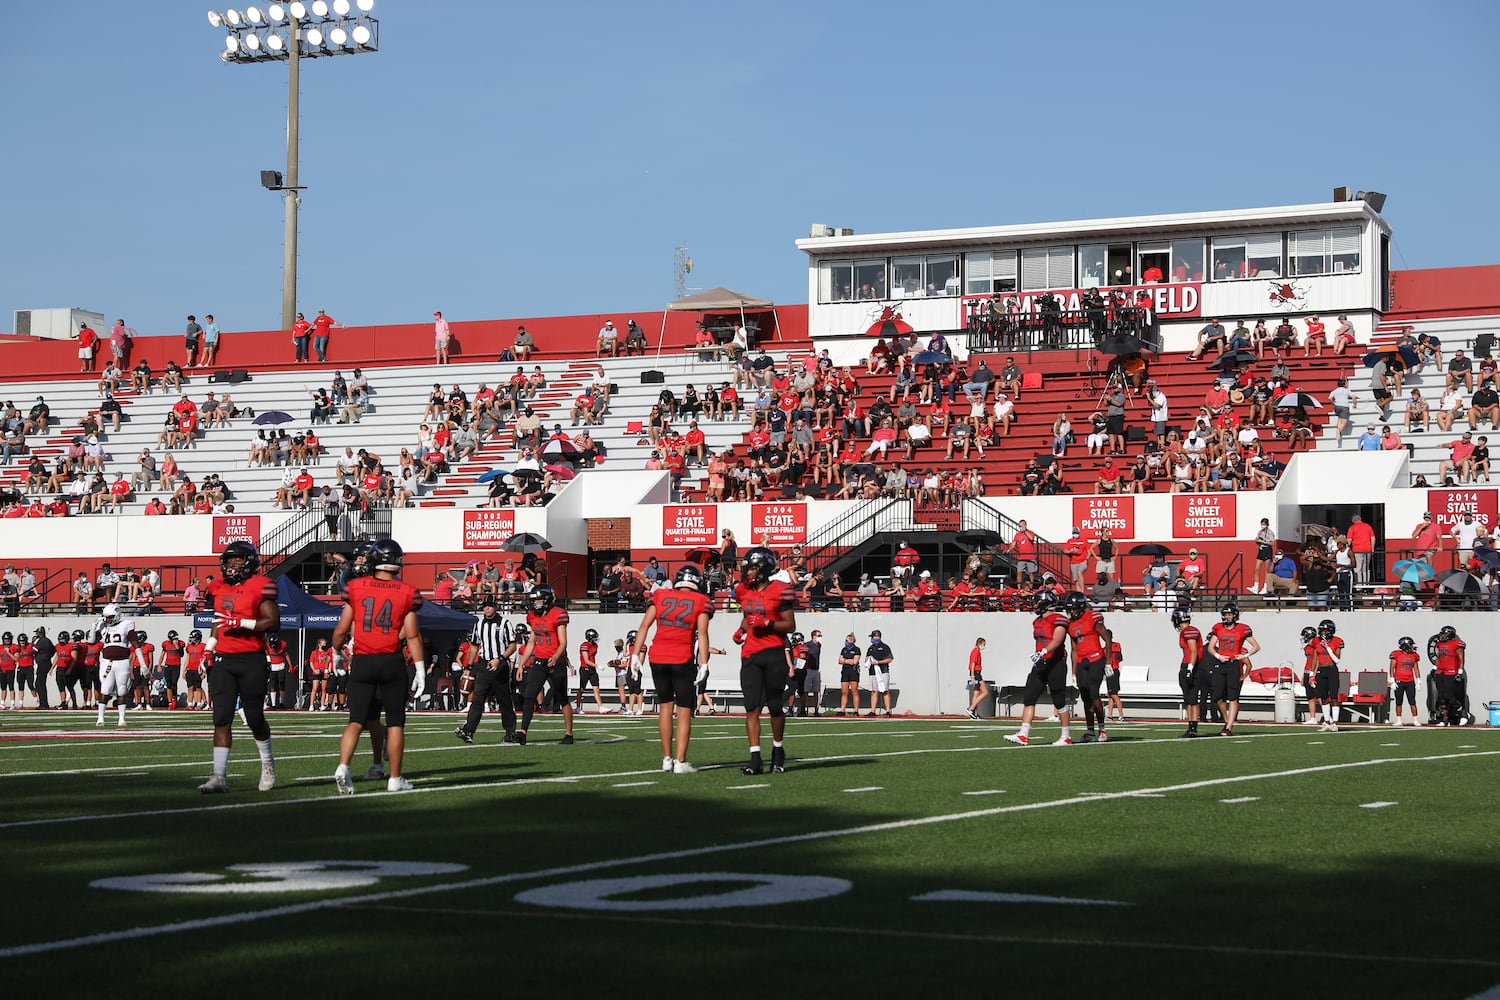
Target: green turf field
892,856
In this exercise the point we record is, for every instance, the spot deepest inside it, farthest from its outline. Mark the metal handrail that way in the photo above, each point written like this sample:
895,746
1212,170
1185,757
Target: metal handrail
1058,330
854,526
1051,558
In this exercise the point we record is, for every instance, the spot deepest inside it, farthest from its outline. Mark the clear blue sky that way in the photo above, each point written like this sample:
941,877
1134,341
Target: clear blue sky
504,159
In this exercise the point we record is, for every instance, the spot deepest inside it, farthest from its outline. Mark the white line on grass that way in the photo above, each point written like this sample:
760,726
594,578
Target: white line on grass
744,788
631,784
248,916
969,896
1376,805
987,791
868,788
1243,798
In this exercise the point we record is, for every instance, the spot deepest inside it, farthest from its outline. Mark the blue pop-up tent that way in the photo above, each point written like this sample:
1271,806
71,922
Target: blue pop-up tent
301,610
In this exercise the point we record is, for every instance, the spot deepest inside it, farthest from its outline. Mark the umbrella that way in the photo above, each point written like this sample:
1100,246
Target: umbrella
1404,355
1150,549
1233,359
1316,530
272,417
525,541
1414,570
931,358
1298,401
564,472
492,475
701,555
890,324
558,448
1460,582
863,469
1122,344
1044,461
1490,558
977,538
528,475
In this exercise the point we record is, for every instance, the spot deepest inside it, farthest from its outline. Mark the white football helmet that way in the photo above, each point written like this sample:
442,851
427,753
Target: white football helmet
111,614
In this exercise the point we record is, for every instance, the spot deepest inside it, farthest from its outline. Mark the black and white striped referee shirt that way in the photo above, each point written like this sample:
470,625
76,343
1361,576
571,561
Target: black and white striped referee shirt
489,637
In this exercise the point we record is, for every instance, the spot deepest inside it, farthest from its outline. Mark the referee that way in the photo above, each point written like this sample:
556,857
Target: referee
491,666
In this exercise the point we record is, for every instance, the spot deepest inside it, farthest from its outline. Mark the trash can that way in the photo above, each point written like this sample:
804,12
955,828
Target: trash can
1286,705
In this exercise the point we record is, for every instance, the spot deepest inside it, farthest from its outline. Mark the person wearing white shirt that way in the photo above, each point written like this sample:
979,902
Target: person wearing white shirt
1005,412
1160,411
1449,407
1342,400
347,465
1464,532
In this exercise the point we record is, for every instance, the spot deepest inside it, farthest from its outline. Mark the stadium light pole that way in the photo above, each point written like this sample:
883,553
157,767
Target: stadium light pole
292,32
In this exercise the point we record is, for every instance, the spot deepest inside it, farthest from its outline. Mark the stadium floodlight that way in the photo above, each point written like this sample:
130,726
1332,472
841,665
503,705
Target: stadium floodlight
281,31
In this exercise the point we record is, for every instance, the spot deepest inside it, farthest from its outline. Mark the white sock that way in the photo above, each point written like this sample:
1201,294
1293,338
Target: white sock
776,744
221,760
264,746
101,712
1065,734
1025,729
754,749
122,715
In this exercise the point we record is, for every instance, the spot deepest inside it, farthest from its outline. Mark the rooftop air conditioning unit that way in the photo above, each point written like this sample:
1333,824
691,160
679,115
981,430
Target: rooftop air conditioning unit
819,231
1342,194
844,232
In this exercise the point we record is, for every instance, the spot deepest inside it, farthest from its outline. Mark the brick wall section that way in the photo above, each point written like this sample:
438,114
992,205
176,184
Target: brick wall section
609,533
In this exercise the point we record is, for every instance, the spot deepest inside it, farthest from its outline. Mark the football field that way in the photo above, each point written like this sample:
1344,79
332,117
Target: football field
893,855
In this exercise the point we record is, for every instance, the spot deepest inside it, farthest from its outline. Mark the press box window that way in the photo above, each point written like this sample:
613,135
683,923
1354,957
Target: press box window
1324,251
989,271
1243,257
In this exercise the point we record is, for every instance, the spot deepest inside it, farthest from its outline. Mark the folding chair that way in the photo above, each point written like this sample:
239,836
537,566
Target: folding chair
634,427
1371,699
1342,700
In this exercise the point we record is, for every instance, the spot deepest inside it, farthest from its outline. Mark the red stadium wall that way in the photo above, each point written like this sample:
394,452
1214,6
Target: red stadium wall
1444,291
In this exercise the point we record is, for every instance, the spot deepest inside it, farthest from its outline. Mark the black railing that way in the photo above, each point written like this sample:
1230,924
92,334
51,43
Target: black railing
858,524
1232,579
302,528
1058,330
1050,557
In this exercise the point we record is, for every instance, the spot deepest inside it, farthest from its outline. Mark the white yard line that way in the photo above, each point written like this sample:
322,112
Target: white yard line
249,916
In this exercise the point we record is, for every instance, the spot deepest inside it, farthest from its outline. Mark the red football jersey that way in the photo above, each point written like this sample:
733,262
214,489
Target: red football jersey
1447,656
171,652
1405,665
380,608
1187,635
194,652
1044,627
770,600
1326,649
1229,640
588,654
1086,639
240,600
676,633
320,662
546,630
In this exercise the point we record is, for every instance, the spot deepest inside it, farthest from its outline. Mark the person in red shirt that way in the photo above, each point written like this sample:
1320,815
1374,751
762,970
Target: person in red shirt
8,671
1049,669
769,617
88,340
380,613
544,660
1447,653
694,442
244,607
1232,643
1091,641
301,335
1316,335
276,656
202,504
322,324
679,649
1325,651
1190,676
1114,708
320,666
1310,674
1404,676
142,662
170,664
729,400
588,670
193,654
976,682
1023,547
1077,548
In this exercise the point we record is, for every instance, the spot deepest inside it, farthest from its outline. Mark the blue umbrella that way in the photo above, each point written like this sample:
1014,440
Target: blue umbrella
1490,557
931,358
1413,570
492,475
1407,356
272,417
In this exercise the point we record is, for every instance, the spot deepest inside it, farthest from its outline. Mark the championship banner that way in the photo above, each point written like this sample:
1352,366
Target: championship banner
1117,513
1449,506
488,529
236,528
1204,515
689,524
778,523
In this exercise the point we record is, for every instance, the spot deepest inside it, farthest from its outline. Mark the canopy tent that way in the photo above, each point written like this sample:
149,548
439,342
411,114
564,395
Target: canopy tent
718,301
302,611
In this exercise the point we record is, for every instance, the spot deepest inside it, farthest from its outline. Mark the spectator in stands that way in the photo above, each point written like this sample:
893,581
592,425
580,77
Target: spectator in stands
1416,412
1481,458
608,340
1191,571
38,418
1260,338
1427,537
322,405
110,378
528,428
1460,371
1317,336
1157,577
1062,435
1317,576
1450,407
1484,405
1098,439
523,344
437,403
1211,336
1460,459
1108,480
635,339
1389,439
1282,578
918,434
140,377
1343,335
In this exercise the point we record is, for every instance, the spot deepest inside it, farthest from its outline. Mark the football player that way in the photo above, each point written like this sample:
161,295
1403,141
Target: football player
678,650
588,670
117,638
1310,676
1232,643
244,607
544,660
1090,660
1328,650
1447,653
1049,669
1190,676
1404,676
769,617
195,659
171,664
380,612
8,671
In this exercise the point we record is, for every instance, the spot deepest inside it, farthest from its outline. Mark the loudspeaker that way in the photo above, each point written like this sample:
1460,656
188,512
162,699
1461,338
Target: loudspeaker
653,377
233,376
1135,435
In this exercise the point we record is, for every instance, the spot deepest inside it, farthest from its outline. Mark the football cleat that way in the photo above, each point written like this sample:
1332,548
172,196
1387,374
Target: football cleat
567,740
463,734
778,760
267,776
343,779
1063,741
1018,738
754,767
1189,734
520,739
1103,736
376,773
1088,738
217,783
666,763
397,785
